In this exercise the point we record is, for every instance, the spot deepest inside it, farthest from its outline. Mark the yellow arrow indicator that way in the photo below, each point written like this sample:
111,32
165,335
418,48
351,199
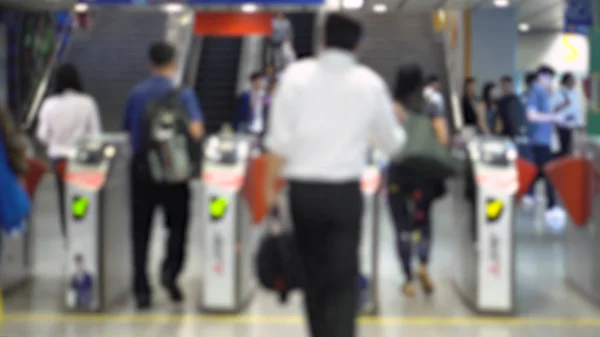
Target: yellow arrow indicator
218,207
493,208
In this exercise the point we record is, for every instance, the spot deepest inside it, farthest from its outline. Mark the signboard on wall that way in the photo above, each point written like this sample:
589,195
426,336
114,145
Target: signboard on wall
205,2
578,16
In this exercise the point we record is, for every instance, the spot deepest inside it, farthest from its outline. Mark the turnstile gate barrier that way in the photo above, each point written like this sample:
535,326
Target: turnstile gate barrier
484,210
98,223
229,239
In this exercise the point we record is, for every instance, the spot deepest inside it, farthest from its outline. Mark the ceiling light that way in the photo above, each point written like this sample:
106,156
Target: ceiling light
501,3
81,8
249,8
379,8
353,4
524,27
172,8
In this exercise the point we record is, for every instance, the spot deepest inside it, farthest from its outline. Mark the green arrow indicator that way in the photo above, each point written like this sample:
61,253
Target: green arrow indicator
79,207
218,207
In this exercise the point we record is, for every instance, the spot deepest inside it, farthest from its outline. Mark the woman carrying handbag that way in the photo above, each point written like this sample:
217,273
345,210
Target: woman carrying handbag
416,176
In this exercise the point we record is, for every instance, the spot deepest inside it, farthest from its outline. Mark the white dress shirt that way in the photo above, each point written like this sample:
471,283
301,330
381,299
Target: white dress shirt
66,118
433,96
573,113
324,113
257,104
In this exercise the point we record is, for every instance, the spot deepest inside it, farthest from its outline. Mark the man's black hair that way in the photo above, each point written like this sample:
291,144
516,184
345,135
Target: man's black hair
255,76
409,86
161,54
67,78
342,32
530,78
566,77
432,79
506,79
546,70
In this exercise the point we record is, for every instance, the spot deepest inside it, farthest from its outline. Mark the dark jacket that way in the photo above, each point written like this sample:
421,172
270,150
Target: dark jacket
244,113
511,113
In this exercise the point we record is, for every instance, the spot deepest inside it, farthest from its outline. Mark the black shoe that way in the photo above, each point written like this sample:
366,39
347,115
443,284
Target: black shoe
171,287
144,301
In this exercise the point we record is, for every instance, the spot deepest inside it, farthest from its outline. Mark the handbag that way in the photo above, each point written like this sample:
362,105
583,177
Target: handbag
423,153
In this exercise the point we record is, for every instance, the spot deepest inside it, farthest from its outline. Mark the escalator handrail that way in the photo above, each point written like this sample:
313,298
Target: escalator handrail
42,86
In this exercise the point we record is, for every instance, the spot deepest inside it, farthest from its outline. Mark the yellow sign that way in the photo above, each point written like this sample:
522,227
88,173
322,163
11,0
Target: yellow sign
571,51
493,209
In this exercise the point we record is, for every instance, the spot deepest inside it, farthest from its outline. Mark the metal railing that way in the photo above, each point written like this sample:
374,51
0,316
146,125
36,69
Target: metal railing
39,93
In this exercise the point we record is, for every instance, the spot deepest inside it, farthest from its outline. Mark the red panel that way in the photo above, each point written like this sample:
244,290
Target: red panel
254,188
34,175
572,177
228,24
527,173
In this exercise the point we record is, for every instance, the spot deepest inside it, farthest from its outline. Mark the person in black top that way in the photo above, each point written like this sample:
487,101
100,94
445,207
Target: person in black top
510,109
489,97
473,110
410,193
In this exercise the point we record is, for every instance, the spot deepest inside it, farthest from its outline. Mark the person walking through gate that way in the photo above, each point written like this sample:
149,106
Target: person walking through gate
146,191
323,116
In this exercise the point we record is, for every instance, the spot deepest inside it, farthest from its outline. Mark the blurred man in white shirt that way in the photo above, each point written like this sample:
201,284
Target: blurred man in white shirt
324,112
567,102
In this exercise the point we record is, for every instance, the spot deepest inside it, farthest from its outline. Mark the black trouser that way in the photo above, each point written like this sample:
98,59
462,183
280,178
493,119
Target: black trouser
60,188
541,156
410,205
565,136
327,220
174,200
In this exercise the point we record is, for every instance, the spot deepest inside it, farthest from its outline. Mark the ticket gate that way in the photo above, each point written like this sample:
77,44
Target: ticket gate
229,238
369,249
16,259
98,223
582,241
484,209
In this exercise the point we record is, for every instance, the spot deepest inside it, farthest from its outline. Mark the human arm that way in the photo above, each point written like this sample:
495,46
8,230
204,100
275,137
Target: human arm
196,126
43,127
438,122
481,118
534,115
278,137
94,126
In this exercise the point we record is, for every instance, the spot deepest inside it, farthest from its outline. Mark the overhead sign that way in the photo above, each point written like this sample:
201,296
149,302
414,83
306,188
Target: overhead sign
579,16
202,2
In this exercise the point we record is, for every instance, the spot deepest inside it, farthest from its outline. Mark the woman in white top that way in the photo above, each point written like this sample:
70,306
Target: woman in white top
64,118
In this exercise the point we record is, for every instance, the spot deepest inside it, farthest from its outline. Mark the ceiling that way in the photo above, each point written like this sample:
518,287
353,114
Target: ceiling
539,14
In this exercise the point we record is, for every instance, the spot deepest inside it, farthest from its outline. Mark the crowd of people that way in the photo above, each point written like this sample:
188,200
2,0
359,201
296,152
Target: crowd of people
542,120
315,121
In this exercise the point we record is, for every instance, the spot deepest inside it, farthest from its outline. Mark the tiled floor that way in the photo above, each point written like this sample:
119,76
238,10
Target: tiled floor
546,307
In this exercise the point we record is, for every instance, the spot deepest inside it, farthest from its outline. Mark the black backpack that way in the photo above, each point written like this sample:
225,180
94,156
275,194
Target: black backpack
171,156
278,264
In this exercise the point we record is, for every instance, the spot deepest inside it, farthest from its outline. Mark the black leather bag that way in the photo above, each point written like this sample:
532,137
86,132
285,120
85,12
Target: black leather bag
278,263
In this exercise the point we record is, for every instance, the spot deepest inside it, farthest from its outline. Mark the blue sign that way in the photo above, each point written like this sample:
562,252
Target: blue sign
205,2
579,13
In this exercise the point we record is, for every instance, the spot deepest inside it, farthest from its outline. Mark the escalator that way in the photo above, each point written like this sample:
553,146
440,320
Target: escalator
304,33
217,80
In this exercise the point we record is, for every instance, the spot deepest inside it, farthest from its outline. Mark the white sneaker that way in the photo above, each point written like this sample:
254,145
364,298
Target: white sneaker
528,202
556,218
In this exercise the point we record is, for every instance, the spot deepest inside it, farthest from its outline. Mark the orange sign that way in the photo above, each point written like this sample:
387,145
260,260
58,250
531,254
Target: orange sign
224,179
92,180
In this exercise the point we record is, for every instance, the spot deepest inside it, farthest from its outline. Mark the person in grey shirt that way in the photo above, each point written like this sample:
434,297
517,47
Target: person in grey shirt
283,32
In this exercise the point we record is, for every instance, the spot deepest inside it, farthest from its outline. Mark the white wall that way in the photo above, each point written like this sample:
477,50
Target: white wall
564,52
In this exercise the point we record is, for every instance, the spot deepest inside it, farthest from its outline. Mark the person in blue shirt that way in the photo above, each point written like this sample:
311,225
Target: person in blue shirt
82,284
146,194
542,122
